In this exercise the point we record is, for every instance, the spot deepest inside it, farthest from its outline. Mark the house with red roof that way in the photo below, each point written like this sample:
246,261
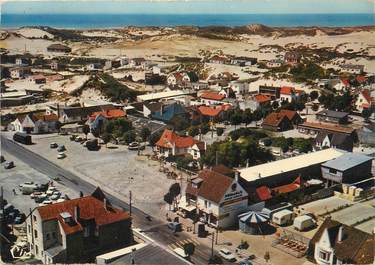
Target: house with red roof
289,94
277,122
172,144
342,85
212,98
35,123
212,112
97,120
178,78
216,198
364,100
77,230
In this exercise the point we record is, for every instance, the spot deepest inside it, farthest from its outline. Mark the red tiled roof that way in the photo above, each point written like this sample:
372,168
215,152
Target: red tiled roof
274,119
214,185
287,90
263,193
90,208
261,98
366,94
288,187
210,111
290,114
212,96
109,114
361,79
37,77
169,139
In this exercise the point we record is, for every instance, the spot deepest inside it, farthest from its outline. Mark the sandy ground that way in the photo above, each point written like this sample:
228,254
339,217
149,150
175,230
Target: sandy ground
174,44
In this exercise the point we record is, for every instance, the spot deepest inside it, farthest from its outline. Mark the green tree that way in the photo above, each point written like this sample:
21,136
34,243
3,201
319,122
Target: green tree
219,131
145,134
302,145
314,95
247,117
366,113
275,105
155,137
236,119
193,131
129,137
315,107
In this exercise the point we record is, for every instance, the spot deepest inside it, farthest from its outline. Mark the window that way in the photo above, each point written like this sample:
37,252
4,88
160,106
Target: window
36,250
29,228
332,171
47,236
324,255
34,218
35,233
205,203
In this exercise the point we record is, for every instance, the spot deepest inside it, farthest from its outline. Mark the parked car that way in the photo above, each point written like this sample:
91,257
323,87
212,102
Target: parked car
56,195
180,252
79,139
40,198
227,255
9,165
34,194
61,148
174,226
61,155
45,202
53,145
51,190
136,146
26,183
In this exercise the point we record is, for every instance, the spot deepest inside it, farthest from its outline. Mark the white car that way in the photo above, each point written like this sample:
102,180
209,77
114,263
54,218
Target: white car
61,155
56,195
181,253
227,255
51,190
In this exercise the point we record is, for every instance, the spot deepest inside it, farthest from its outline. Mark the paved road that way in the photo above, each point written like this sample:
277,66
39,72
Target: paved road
156,229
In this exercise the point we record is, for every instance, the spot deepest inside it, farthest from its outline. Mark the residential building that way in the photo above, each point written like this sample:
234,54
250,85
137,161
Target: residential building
273,92
77,230
58,48
38,79
218,59
292,58
292,115
109,64
325,139
149,108
314,128
277,122
172,144
243,61
332,116
348,168
364,100
35,123
98,120
77,114
342,85
19,72
239,87
178,78
353,68
55,65
336,243
216,199
22,61
280,172
134,62
167,113
212,98
214,112
289,94
274,63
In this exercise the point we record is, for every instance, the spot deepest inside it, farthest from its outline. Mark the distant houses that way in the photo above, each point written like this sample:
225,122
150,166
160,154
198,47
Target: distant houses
292,58
274,63
353,68
216,59
35,123
337,117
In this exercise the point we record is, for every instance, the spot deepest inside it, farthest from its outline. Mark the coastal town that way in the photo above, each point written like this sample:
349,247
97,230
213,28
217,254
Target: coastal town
187,145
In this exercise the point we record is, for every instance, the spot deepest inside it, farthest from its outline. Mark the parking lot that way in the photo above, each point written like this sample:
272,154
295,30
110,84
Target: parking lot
116,170
11,179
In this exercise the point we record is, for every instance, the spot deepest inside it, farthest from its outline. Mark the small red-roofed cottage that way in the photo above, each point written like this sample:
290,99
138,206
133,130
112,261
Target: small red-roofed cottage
172,144
364,100
212,98
77,230
277,122
97,120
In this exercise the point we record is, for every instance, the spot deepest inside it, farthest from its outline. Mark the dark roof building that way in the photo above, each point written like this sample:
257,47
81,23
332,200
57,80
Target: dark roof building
336,243
325,139
332,116
57,47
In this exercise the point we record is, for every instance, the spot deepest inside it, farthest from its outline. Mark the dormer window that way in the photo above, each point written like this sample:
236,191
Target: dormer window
67,217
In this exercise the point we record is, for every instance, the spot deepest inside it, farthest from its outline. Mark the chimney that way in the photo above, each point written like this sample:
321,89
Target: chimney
77,213
340,236
236,175
105,203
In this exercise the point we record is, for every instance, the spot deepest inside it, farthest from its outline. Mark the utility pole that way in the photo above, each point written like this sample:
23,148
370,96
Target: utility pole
217,235
130,202
212,244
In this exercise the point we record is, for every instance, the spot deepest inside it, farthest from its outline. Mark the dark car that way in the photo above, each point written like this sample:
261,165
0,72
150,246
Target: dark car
9,165
175,227
136,146
61,148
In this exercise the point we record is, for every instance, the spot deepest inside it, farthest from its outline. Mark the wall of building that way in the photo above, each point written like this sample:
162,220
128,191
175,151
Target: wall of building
354,174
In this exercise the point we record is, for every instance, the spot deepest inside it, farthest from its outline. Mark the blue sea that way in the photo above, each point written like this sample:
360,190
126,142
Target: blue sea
87,21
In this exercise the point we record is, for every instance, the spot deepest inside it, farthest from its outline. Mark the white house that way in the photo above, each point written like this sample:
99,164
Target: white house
178,78
197,150
35,123
239,87
19,72
342,85
218,199
274,63
335,244
364,100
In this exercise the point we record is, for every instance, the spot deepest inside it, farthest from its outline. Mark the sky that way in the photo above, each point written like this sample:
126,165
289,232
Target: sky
189,6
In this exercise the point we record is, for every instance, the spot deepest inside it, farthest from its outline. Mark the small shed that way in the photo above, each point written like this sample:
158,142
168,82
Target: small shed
252,222
282,217
303,222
